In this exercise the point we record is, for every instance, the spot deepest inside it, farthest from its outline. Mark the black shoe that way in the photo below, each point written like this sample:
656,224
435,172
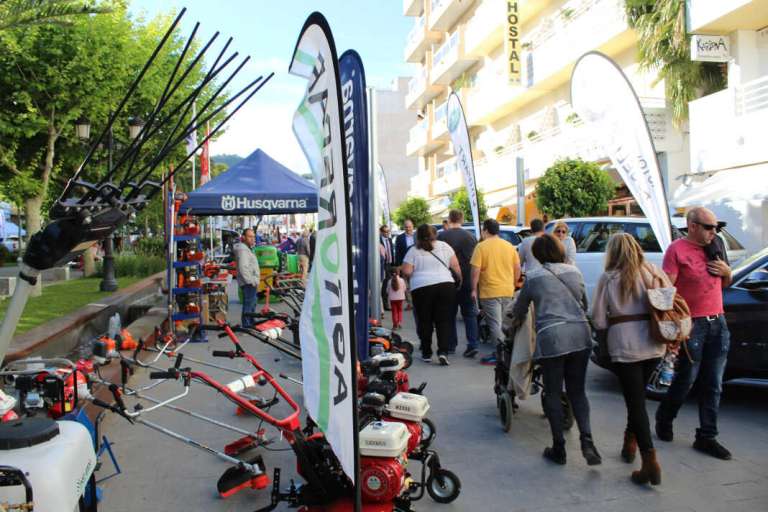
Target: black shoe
664,431
712,447
443,360
589,451
470,352
556,453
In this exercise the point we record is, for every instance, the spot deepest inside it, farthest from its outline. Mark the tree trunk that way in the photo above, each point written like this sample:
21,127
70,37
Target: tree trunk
32,206
89,263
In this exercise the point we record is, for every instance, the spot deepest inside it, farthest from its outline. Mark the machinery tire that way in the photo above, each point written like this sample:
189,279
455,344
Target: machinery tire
443,486
506,410
408,360
428,432
406,346
396,338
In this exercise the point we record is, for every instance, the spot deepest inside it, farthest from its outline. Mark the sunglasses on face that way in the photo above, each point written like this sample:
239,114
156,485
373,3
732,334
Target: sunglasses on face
561,231
708,227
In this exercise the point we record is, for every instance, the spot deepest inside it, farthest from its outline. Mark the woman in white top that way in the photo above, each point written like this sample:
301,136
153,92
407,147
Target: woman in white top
427,264
561,232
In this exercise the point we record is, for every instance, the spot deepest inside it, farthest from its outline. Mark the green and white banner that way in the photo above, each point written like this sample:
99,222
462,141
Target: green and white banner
326,330
457,126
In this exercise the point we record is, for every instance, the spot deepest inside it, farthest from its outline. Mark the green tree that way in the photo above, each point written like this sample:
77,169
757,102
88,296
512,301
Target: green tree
20,13
414,208
664,45
51,74
460,201
574,188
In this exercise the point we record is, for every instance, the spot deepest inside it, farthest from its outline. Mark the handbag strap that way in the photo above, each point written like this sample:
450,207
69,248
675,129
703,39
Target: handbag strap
438,259
570,292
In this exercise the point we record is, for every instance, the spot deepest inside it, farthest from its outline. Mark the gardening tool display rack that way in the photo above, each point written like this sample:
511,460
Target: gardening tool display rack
185,263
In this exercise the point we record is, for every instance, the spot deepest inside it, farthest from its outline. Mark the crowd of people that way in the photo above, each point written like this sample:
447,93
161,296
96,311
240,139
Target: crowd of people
451,271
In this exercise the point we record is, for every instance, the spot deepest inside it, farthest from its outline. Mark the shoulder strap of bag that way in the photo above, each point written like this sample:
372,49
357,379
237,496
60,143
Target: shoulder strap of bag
432,252
570,292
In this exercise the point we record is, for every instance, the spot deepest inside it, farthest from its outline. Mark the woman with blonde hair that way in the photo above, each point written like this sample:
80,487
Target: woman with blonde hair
620,306
561,232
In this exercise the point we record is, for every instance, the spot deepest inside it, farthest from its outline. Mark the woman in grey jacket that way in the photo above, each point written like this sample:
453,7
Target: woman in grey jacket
563,341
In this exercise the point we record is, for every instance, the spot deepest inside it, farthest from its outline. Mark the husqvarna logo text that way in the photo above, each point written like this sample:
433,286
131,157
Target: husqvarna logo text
228,203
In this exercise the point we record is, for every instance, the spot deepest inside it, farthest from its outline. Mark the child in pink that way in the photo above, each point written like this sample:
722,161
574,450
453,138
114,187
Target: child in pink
396,293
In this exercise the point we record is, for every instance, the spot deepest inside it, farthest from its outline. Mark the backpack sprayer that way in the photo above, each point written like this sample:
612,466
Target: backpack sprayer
84,214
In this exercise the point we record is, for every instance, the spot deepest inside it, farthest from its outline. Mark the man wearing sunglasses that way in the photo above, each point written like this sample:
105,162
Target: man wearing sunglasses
699,275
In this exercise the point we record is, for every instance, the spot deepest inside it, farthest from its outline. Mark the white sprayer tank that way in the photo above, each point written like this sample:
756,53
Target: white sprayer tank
57,461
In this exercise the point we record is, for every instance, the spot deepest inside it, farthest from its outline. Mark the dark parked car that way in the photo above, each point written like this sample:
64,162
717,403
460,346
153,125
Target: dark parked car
746,311
512,234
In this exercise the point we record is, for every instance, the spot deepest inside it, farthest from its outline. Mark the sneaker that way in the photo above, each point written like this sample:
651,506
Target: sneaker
426,359
712,447
489,360
443,360
664,431
470,352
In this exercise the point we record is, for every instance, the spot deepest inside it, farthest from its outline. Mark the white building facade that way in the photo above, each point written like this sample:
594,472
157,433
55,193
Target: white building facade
459,45
728,141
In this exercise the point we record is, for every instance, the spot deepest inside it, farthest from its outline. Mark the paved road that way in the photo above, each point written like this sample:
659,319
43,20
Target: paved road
499,472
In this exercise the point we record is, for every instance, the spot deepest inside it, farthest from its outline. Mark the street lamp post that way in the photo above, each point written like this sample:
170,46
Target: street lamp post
108,282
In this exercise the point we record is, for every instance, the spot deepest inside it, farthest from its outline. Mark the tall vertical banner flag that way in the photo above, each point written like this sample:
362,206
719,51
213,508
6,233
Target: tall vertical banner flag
205,160
355,106
604,99
2,225
382,192
512,42
457,126
325,325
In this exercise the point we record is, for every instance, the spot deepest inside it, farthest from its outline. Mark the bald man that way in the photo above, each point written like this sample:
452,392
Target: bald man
699,273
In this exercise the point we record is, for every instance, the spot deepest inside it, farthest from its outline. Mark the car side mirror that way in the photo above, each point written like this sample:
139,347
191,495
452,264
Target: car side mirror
756,280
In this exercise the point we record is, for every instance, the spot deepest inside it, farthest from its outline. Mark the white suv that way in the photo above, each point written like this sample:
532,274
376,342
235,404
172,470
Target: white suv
591,236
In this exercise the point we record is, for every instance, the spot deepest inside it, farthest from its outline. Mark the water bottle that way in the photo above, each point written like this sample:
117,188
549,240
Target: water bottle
114,326
667,373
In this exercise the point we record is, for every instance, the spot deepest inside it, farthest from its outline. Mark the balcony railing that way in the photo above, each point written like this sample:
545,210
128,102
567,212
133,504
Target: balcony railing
485,30
562,38
450,60
539,153
727,128
420,185
419,39
416,87
444,13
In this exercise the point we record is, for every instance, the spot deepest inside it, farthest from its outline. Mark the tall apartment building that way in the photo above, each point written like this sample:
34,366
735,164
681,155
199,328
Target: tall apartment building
393,122
459,46
729,154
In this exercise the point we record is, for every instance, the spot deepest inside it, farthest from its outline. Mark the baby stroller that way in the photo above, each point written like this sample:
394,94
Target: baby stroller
505,394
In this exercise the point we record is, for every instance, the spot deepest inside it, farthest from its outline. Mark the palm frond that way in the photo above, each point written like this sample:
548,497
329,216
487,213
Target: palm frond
20,13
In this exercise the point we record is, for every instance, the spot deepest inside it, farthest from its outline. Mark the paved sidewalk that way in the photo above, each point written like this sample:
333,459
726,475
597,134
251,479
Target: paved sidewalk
499,472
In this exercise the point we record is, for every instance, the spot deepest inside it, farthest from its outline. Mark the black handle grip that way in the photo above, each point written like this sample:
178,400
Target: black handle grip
118,396
223,353
211,327
162,375
223,335
179,358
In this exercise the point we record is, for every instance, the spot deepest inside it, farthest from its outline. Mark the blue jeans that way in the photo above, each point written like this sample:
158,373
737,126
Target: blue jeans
469,314
249,304
708,347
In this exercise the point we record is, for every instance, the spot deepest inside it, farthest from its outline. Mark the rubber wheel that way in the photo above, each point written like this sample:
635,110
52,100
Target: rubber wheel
443,486
406,346
396,338
408,360
655,392
506,410
428,432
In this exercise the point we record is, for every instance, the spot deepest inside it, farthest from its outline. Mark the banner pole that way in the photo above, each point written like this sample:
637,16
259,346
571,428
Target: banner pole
520,169
373,255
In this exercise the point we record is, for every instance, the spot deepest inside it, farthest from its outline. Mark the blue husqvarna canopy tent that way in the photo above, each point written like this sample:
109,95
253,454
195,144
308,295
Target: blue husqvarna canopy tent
257,185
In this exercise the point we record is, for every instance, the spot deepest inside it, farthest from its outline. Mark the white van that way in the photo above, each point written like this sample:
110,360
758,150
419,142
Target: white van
591,236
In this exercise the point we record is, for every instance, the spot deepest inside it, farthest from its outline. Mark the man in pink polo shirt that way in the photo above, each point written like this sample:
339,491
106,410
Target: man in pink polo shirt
700,272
